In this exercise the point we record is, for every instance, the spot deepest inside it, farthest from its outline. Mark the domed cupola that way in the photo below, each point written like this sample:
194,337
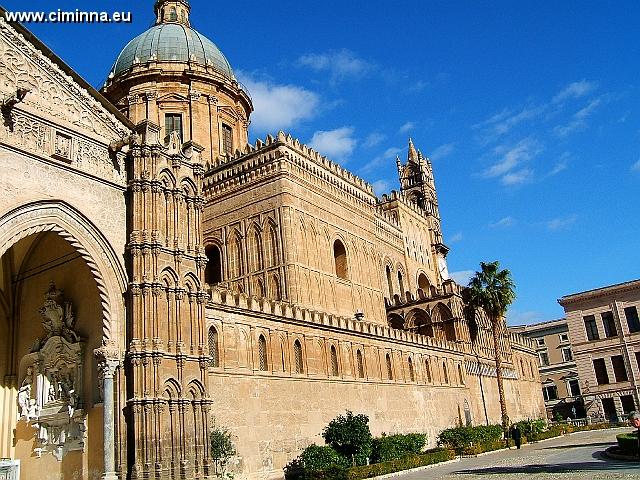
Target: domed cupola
176,77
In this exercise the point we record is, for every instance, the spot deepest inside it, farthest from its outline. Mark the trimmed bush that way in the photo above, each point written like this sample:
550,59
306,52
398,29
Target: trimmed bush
316,457
460,438
394,447
349,435
628,443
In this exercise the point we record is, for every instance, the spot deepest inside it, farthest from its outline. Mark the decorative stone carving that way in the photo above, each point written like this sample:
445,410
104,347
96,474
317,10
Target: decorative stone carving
63,146
50,394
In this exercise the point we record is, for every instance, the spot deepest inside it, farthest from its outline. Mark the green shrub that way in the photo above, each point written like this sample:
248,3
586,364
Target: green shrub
394,447
460,438
316,457
531,427
350,436
628,443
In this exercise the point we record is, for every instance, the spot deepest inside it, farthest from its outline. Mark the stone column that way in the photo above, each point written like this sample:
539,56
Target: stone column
108,362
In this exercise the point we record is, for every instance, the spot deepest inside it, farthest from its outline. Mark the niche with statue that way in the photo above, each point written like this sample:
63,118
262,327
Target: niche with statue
49,398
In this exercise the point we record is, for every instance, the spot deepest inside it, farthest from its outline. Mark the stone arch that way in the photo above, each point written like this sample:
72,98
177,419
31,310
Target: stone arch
423,282
395,321
420,322
106,268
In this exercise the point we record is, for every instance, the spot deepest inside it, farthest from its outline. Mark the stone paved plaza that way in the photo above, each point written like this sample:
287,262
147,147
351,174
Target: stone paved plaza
576,456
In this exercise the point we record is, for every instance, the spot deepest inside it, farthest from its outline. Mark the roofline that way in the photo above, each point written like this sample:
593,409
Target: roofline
47,52
540,325
598,292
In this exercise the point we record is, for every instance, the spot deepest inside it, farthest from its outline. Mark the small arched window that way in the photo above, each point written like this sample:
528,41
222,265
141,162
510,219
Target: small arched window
400,283
389,368
259,288
213,348
445,373
173,15
412,377
271,246
460,376
334,361
274,287
255,251
427,370
235,257
533,375
340,259
262,353
389,282
297,353
213,270
360,363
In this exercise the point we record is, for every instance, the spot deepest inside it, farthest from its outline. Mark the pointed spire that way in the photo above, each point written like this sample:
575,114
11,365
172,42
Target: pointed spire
412,156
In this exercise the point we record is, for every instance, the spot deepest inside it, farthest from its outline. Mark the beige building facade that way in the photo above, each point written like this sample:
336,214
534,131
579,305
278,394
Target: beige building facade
605,331
161,276
557,366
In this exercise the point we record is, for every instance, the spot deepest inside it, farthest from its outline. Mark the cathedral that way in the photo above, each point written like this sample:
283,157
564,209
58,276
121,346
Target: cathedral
162,276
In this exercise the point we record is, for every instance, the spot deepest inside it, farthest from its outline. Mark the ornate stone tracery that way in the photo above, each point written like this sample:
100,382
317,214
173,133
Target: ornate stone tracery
50,396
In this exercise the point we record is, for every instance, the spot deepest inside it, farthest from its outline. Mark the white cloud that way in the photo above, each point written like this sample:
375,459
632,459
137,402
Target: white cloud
561,223
455,238
339,64
386,157
503,222
462,277
407,127
518,177
442,151
575,90
511,158
501,123
278,107
381,186
578,119
636,167
374,139
337,144
515,317
561,166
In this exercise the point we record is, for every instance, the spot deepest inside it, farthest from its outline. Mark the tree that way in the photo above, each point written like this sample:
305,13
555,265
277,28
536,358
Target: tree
349,435
492,290
222,449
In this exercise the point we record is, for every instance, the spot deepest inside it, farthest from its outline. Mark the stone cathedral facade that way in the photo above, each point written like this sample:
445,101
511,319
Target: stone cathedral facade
160,275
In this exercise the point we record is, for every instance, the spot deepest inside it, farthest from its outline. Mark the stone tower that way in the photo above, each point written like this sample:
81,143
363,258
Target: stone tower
418,186
177,78
179,90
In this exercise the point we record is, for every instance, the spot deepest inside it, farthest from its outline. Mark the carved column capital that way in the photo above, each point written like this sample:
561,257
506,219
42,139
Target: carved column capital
108,359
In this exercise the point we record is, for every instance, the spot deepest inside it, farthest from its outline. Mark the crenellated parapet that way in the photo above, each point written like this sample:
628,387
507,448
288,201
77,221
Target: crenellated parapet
522,343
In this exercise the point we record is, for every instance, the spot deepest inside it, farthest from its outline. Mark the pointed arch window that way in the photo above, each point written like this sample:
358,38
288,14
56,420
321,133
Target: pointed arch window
213,348
389,282
445,373
389,368
255,251
427,370
400,283
412,376
297,353
340,259
235,257
274,287
213,270
262,353
334,361
271,246
360,364
259,288
460,376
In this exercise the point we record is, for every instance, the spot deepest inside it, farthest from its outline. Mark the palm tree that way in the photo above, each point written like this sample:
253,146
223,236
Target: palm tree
492,290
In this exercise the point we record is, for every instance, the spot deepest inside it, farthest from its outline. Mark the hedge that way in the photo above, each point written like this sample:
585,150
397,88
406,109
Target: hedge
461,438
395,447
376,469
628,443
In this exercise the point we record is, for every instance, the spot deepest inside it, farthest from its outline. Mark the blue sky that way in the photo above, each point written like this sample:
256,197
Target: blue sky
529,111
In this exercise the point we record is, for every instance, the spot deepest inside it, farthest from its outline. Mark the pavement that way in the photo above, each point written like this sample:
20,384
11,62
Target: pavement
578,456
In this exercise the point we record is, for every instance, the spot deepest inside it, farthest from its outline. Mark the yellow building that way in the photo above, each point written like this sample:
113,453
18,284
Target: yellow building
160,275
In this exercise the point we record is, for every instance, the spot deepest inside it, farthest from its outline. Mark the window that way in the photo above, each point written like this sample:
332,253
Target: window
172,123
227,139
638,359
334,361
173,15
389,368
460,377
427,369
602,377
550,392
213,271
619,371
628,405
255,251
297,353
591,327
544,359
271,247
274,287
389,283
262,353
632,319
609,407
235,257
445,373
564,337
412,377
360,363
423,283
609,324
340,259
573,388
540,341
400,283
567,356
213,348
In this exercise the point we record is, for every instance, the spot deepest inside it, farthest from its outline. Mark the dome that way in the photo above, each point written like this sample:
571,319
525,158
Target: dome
172,42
